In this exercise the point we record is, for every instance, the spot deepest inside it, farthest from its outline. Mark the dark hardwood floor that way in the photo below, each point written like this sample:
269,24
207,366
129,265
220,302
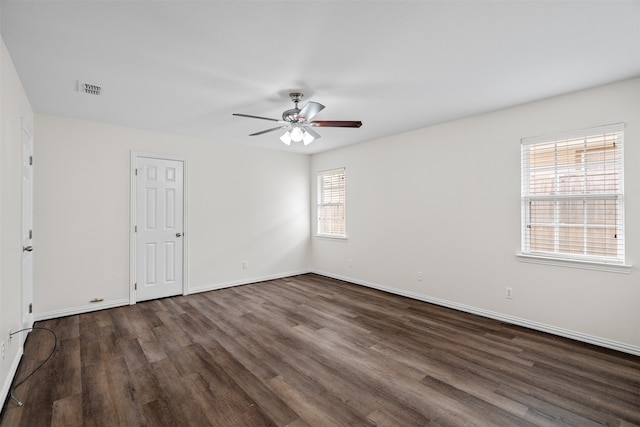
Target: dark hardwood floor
313,351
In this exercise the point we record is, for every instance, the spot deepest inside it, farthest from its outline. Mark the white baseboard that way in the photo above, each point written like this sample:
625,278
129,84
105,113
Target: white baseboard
82,309
245,281
121,302
13,369
578,336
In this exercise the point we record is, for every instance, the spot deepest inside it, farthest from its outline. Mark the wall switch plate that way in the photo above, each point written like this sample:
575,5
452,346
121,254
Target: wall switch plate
245,264
419,275
508,293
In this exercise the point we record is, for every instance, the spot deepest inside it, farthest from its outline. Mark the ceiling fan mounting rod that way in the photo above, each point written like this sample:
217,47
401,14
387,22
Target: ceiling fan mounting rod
292,114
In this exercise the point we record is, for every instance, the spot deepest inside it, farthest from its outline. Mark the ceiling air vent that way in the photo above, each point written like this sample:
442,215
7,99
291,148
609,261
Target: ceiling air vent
89,88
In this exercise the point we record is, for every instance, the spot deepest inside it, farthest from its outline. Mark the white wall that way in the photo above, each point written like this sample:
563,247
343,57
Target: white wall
243,204
445,200
14,109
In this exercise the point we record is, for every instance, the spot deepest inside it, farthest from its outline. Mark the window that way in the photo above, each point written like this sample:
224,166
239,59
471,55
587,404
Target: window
572,195
331,203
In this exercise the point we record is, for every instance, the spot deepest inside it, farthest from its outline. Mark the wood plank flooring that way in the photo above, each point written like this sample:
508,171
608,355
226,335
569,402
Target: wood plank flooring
313,351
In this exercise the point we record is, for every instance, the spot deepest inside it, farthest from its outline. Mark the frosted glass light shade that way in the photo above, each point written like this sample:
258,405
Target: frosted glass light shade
286,138
296,134
307,138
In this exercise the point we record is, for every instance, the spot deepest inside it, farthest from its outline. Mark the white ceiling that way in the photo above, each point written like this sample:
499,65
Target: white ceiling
185,66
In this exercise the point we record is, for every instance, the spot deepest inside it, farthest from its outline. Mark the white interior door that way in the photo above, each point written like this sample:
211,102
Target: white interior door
27,230
159,228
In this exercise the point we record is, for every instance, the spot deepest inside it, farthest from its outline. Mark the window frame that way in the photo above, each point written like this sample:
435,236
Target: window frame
321,203
557,197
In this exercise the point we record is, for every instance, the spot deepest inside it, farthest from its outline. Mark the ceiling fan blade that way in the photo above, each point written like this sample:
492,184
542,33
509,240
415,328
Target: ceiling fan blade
255,117
310,110
312,132
268,130
337,123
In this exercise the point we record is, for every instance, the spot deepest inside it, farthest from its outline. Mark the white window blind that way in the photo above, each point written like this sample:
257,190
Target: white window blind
331,203
573,194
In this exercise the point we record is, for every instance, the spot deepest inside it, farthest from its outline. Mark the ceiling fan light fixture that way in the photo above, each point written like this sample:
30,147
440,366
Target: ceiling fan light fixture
296,134
286,138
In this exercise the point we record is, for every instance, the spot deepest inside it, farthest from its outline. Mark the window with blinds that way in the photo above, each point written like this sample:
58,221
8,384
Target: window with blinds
331,203
572,195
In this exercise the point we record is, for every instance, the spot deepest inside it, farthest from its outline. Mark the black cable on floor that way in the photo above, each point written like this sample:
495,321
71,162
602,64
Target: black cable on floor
22,381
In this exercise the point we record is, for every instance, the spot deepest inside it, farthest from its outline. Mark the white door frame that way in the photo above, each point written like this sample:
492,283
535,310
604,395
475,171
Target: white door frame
26,311
132,233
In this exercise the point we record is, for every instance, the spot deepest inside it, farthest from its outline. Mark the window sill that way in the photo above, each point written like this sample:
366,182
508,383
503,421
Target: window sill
574,263
331,237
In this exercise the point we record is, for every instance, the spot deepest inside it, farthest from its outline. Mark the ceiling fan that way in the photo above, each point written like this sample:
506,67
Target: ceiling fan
298,122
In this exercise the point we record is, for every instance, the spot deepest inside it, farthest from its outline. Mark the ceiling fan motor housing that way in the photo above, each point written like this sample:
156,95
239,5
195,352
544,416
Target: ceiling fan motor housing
292,114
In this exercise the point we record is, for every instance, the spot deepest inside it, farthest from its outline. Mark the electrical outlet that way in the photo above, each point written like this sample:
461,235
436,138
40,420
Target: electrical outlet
508,293
350,263
419,275
245,264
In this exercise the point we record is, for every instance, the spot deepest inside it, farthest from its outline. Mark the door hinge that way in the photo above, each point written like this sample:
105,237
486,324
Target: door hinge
135,228
135,286
30,160
30,234
136,171
30,308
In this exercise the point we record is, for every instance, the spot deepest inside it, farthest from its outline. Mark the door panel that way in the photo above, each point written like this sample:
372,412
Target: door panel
159,220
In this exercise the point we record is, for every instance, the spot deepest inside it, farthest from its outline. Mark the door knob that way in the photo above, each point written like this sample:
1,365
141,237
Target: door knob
27,248
178,234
